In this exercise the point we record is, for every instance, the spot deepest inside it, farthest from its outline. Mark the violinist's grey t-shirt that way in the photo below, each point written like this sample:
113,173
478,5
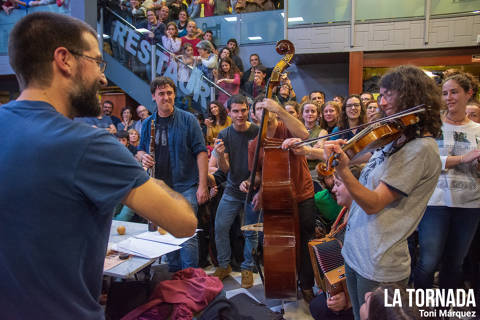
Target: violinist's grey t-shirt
376,245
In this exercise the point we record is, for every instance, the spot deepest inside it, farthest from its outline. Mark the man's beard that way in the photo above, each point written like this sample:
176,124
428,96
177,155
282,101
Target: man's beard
84,101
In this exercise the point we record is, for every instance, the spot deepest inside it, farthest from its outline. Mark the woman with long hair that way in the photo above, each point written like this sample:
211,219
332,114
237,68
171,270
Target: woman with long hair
330,112
309,112
390,197
353,114
452,216
228,78
224,53
127,119
170,40
188,59
216,121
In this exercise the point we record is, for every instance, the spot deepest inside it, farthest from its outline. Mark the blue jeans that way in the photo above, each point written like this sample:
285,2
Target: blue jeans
251,237
444,236
358,286
228,209
188,255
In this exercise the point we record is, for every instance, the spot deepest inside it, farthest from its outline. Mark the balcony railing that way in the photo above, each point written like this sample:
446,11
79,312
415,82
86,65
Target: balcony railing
133,50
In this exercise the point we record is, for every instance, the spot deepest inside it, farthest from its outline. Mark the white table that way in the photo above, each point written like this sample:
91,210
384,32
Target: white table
134,264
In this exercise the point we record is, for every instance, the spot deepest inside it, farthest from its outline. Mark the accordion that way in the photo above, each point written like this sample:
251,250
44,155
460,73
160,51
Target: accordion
328,264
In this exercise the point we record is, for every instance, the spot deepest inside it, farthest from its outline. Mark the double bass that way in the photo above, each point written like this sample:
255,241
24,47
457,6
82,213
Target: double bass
281,244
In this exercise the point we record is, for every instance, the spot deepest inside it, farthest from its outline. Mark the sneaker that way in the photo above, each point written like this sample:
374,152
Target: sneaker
222,273
247,279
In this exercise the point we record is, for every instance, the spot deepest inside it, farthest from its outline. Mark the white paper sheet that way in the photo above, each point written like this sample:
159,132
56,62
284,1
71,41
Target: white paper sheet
163,238
144,248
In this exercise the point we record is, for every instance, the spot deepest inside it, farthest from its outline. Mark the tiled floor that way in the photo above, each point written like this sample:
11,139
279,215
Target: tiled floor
295,310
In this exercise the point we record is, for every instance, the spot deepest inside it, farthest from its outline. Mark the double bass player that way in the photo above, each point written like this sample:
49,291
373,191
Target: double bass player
287,127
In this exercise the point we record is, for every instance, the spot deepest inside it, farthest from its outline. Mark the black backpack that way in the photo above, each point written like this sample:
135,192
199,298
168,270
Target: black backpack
223,309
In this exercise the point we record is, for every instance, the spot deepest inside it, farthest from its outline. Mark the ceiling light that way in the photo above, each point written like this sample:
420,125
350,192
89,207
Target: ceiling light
295,19
230,19
255,38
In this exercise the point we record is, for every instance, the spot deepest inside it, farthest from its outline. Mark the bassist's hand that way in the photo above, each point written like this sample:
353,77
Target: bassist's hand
257,201
244,186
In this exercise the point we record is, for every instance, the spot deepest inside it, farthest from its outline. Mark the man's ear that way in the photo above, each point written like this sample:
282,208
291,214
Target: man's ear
63,60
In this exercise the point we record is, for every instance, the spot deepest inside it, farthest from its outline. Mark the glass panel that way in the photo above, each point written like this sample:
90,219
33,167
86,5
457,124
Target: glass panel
223,27
260,27
263,26
452,6
318,11
374,9
7,22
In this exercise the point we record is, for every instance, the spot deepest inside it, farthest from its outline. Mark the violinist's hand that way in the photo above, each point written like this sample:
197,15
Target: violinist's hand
257,201
244,186
299,151
335,146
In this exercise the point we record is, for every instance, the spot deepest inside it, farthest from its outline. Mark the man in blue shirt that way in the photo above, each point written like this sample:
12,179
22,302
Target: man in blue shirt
61,179
180,158
107,109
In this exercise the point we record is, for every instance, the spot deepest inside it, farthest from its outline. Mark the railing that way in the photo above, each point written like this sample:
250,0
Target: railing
8,21
134,50
305,12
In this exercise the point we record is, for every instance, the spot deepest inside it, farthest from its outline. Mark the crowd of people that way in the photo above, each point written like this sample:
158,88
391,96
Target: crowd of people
196,8
9,5
228,133
179,37
424,182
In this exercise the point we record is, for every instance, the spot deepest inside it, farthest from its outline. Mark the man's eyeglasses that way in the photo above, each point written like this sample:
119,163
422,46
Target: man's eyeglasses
101,63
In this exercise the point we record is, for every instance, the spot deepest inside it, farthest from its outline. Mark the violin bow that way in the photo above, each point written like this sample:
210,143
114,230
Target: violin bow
413,110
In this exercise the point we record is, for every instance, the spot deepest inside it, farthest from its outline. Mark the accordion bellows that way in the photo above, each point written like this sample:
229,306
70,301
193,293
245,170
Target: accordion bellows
328,265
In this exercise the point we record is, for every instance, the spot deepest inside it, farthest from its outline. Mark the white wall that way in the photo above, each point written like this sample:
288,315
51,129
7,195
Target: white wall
403,35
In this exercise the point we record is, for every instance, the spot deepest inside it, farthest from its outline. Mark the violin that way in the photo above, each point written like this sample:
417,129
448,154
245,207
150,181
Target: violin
374,136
